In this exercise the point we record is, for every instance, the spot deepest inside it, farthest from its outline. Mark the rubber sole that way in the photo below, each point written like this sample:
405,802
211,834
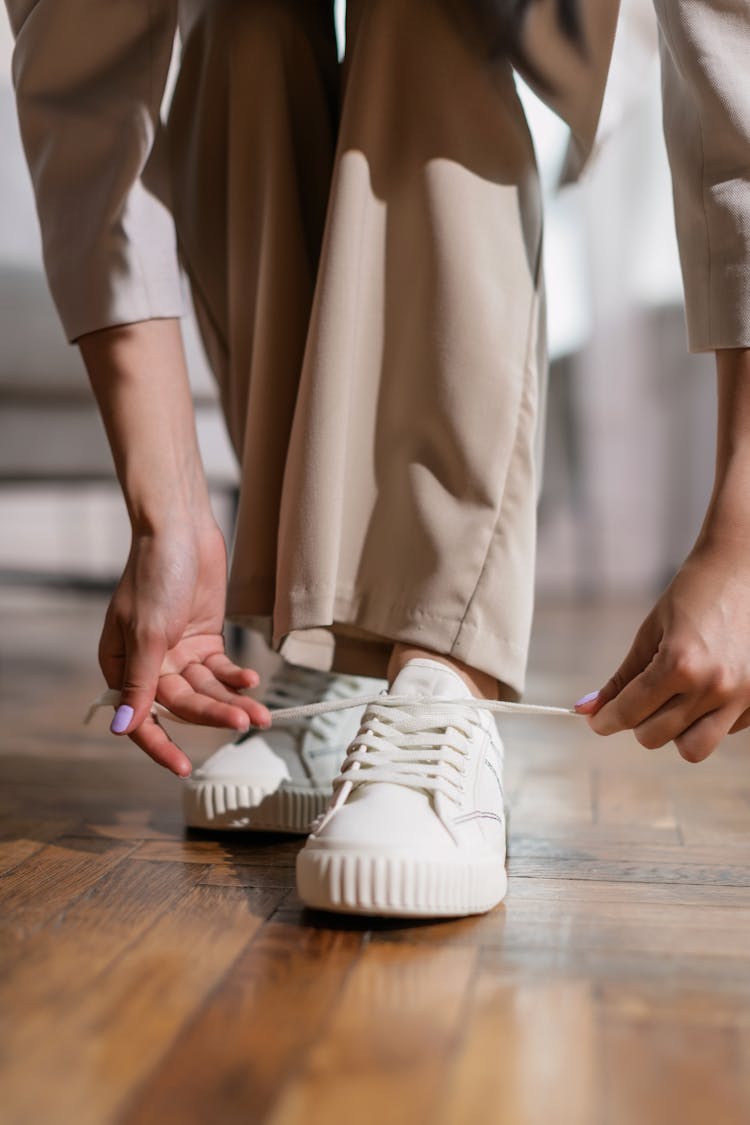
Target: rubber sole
228,806
398,886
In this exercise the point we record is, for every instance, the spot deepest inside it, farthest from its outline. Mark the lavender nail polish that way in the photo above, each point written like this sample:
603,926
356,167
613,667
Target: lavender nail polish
123,715
592,695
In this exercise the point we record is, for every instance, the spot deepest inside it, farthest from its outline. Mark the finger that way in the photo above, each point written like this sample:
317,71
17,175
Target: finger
176,694
112,653
203,681
144,656
589,704
154,741
637,660
636,701
677,715
700,740
230,673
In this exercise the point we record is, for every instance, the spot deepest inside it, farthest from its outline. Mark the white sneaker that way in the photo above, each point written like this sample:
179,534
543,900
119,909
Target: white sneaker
281,779
417,824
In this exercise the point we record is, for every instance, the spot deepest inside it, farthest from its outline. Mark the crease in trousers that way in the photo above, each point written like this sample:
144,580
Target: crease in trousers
362,240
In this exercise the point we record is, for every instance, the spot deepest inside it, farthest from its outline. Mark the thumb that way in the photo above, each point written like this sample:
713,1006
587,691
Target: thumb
143,662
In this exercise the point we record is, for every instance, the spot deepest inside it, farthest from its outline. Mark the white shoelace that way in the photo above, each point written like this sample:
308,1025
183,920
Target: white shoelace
292,685
420,747
111,698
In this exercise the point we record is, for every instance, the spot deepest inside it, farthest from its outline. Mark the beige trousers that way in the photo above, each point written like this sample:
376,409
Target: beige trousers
363,243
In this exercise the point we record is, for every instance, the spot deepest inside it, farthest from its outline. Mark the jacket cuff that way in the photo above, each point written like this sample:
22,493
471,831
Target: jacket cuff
118,278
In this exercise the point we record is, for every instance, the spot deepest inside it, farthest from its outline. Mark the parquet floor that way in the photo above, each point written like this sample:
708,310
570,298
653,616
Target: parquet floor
148,976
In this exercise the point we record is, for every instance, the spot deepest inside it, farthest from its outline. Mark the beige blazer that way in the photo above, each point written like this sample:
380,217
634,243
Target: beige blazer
90,75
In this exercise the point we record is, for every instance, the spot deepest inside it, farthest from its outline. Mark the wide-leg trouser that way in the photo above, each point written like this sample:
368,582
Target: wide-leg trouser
363,245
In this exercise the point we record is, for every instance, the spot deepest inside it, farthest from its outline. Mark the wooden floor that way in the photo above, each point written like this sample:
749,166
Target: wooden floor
149,976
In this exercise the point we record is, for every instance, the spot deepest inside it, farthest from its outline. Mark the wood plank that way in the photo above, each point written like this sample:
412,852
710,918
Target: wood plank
23,836
648,928
225,849
677,867
554,799
41,986
586,849
250,875
116,1034
230,1063
600,967
49,880
382,1055
683,1070
528,1056
634,923
553,894
627,894
722,821
619,793
525,837
135,823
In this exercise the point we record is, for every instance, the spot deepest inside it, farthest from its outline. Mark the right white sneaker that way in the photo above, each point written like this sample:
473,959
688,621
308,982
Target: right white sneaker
417,825
279,780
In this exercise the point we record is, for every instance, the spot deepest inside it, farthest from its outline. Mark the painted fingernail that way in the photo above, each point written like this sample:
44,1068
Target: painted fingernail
592,695
123,715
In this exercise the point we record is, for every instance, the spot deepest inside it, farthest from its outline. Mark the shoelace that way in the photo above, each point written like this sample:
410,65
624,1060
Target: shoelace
292,683
420,747
111,698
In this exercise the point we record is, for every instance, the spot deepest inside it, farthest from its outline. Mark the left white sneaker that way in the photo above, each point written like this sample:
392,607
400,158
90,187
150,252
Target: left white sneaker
417,825
280,779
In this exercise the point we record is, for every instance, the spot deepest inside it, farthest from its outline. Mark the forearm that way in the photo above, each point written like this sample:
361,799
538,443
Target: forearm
728,512
139,377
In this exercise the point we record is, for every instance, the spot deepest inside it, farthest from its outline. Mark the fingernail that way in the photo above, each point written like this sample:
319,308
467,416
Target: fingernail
123,715
592,695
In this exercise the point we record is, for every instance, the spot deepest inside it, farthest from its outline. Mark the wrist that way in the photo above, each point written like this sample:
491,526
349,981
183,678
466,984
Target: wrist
139,376
171,495
728,514
172,513
726,525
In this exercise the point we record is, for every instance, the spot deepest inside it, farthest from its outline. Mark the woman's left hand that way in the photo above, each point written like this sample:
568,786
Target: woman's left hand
686,678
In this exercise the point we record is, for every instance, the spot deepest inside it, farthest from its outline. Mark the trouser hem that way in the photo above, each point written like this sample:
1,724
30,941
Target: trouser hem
317,620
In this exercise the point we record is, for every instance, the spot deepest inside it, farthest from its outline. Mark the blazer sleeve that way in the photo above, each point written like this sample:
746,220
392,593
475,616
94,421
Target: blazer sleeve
89,77
705,51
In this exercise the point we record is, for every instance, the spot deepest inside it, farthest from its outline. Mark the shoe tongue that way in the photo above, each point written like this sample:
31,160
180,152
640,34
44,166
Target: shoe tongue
422,676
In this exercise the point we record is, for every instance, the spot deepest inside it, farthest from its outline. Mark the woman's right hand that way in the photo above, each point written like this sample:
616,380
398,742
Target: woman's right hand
162,641
162,638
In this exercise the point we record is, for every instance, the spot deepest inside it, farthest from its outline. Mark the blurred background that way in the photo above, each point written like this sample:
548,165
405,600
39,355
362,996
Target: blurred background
629,445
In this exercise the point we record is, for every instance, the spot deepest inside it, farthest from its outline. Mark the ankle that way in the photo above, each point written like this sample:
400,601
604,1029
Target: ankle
481,684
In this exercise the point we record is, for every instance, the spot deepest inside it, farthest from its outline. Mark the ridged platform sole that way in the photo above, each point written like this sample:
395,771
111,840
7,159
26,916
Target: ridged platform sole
399,886
226,805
